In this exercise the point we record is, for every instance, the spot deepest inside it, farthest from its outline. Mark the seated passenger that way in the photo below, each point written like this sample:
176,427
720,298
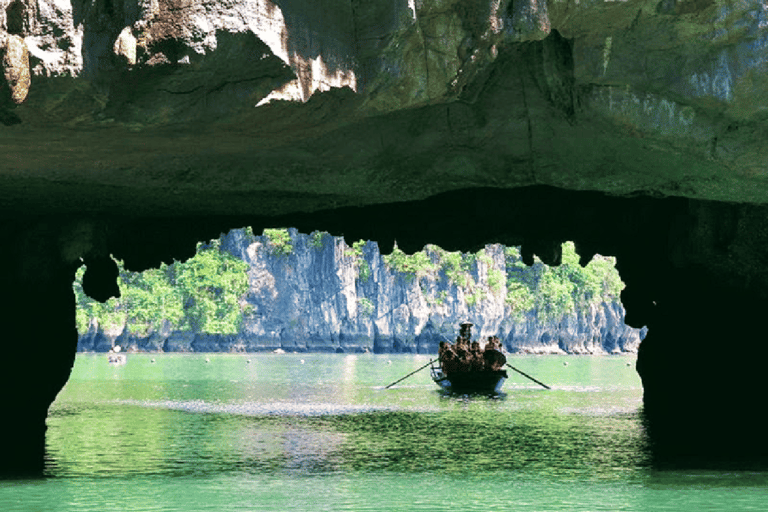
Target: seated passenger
463,363
449,363
441,350
477,362
494,360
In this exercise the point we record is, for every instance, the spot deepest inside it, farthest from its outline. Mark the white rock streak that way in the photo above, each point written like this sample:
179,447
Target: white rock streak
312,74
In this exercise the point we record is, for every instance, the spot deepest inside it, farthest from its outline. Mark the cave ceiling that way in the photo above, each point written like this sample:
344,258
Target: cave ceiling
189,108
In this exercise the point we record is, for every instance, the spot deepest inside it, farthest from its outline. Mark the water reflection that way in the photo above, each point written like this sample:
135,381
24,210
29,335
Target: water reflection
470,435
518,442
276,434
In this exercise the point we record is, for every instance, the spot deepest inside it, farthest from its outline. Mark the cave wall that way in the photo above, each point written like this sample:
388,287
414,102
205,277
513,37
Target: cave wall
634,128
166,107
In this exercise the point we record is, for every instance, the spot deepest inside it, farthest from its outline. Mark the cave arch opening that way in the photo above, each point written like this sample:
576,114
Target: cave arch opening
290,291
269,253
693,270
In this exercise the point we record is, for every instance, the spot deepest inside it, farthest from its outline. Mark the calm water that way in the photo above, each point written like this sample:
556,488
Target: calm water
317,432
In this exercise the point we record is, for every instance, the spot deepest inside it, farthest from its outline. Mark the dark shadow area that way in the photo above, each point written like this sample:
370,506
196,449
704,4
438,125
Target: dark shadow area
701,363
15,18
102,22
7,117
100,282
37,337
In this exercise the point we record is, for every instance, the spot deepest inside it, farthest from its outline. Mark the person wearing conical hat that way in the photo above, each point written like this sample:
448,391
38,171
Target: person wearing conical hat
466,330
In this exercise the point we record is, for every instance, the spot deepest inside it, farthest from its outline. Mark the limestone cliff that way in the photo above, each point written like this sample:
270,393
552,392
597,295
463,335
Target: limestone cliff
316,293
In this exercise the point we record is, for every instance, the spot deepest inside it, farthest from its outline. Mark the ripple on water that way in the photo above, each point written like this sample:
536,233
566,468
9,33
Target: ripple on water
261,409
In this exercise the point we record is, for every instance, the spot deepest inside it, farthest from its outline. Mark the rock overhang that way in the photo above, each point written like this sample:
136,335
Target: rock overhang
148,105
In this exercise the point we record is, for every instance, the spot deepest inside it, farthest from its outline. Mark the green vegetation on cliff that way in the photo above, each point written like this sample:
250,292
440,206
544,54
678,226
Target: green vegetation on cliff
205,293
556,291
279,241
418,264
551,291
201,294
361,264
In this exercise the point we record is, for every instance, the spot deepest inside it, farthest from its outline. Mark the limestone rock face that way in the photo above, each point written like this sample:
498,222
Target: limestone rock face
322,296
318,298
598,330
388,100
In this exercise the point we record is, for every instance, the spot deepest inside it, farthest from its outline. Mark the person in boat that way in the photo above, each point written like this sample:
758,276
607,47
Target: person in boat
463,363
465,331
492,355
444,350
476,359
449,361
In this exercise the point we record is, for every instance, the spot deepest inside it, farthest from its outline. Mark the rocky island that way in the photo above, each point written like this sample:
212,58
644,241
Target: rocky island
316,293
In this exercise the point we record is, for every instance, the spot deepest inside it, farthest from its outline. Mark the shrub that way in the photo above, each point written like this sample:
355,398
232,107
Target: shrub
418,264
279,241
356,252
366,306
316,240
496,280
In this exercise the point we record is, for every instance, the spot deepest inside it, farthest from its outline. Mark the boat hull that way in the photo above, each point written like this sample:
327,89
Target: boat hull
470,382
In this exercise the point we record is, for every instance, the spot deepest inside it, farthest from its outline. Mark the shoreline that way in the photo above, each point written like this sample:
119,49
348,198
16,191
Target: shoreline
278,352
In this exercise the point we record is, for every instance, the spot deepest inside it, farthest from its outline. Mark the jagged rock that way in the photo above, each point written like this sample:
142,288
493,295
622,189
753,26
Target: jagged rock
15,65
179,342
318,298
204,342
125,46
99,338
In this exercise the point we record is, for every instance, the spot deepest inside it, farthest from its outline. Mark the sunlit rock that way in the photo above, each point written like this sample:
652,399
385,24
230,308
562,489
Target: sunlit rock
125,46
15,64
316,293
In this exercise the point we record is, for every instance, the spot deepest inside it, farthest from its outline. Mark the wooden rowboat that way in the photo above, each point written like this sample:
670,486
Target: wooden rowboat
485,381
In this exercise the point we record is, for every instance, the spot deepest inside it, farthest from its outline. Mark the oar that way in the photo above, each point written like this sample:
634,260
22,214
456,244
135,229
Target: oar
526,375
415,371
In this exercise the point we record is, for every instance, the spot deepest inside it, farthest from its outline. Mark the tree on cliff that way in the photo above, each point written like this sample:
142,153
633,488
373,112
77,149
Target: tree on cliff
556,291
206,293
201,294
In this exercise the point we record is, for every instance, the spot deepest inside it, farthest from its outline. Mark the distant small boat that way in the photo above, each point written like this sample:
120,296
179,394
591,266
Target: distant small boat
115,357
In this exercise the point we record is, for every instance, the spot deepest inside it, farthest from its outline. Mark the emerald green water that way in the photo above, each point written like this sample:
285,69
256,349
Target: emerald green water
317,432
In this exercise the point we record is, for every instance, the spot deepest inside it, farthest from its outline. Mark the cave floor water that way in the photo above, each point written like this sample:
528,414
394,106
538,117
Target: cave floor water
318,432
